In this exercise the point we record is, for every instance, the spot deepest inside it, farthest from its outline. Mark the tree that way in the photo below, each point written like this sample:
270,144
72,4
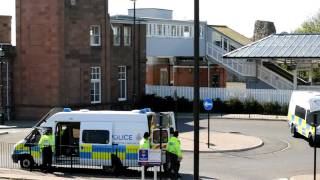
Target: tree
312,25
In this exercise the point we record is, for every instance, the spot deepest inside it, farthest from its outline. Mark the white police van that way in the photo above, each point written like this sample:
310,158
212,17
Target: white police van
95,138
299,115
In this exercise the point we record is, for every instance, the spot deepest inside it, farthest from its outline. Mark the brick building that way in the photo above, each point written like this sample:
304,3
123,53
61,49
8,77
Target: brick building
122,58
5,29
63,56
7,55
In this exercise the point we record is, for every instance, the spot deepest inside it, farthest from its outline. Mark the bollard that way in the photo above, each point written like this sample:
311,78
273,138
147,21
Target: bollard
142,173
155,169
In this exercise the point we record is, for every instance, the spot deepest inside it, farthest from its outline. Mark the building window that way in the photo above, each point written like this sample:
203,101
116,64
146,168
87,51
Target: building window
173,31
116,35
225,44
127,36
95,35
149,30
217,39
164,80
122,83
215,80
201,32
186,31
159,30
95,93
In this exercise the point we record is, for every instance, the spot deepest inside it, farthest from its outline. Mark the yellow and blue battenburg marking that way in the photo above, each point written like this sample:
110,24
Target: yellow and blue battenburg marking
301,124
104,152
22,149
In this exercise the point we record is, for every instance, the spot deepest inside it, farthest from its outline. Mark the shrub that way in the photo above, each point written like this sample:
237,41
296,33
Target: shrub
233,105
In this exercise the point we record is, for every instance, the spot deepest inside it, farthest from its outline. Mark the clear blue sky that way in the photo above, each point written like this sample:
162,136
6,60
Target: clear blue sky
237,14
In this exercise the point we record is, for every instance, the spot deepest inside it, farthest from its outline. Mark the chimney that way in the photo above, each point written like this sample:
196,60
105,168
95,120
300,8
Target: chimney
263,29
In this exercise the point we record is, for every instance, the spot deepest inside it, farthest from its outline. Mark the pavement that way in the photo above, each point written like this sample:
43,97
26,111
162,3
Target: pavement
219,142
237,116
305,177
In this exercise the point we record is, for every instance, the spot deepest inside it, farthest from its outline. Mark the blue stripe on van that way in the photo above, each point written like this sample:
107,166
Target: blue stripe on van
102,148
85,155
131,156
300,121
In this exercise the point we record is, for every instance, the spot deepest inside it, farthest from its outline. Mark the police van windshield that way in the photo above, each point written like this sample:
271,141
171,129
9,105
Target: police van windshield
154,121
156,136
48,115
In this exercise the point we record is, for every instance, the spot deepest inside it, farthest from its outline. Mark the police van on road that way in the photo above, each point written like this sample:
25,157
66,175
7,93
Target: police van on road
84,138
300,115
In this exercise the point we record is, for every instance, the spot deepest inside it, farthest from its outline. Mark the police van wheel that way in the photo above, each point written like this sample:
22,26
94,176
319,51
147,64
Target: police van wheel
310,140
26,162
294,131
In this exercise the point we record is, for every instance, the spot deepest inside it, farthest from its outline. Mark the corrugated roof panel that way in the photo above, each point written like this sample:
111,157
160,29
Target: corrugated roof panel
282,46
308,46
313,52
301,47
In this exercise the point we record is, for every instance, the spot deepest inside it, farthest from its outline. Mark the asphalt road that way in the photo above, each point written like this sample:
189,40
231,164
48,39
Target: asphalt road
282,156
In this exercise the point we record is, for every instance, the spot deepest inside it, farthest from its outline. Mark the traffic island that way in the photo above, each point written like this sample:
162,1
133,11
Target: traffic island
3,133
305,177
220,142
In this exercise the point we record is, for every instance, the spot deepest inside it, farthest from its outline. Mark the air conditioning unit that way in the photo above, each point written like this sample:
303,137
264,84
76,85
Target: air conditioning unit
73,2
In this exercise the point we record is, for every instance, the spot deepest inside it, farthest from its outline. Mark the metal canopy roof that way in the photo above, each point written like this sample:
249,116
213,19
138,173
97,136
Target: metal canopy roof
289,46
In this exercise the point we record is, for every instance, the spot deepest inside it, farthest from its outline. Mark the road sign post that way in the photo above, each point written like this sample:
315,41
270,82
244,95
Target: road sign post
208,105
315,122
149,157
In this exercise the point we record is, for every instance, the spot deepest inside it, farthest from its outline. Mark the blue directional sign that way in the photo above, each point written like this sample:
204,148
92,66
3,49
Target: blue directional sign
143,155
208,104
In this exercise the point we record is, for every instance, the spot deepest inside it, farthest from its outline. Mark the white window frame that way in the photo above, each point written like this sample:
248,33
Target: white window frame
186,34
116,30
127,35
95,79
95,32
122,70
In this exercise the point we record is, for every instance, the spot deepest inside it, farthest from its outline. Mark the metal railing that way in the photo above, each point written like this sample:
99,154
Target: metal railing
273,79
6,149
246,68
239,66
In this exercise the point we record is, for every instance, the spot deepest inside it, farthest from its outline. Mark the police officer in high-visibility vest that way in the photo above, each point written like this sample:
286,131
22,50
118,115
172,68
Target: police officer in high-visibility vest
145,141
174,154
46,144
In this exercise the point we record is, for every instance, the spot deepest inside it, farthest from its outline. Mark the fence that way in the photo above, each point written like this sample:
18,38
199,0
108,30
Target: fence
260,95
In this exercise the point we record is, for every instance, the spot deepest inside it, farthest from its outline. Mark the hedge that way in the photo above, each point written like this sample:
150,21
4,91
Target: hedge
234,106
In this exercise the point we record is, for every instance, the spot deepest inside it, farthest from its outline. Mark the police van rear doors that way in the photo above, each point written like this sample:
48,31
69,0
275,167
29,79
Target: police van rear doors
96,143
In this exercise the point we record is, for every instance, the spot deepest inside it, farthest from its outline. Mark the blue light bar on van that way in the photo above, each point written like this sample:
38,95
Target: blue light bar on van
67,110
145,110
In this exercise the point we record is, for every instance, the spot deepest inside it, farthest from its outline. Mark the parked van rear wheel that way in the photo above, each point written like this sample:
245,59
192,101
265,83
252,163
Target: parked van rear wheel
116,166
294,131
26,162
310,140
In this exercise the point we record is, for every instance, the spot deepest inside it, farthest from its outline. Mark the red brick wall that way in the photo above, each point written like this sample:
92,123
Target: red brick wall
183,76
5,29
54,55
153,73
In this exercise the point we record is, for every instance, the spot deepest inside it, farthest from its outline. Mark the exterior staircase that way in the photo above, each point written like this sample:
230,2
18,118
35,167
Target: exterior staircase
268,73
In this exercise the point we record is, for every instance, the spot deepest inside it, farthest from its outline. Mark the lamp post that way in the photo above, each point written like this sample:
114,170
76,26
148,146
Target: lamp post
1,85
134,53
196,91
